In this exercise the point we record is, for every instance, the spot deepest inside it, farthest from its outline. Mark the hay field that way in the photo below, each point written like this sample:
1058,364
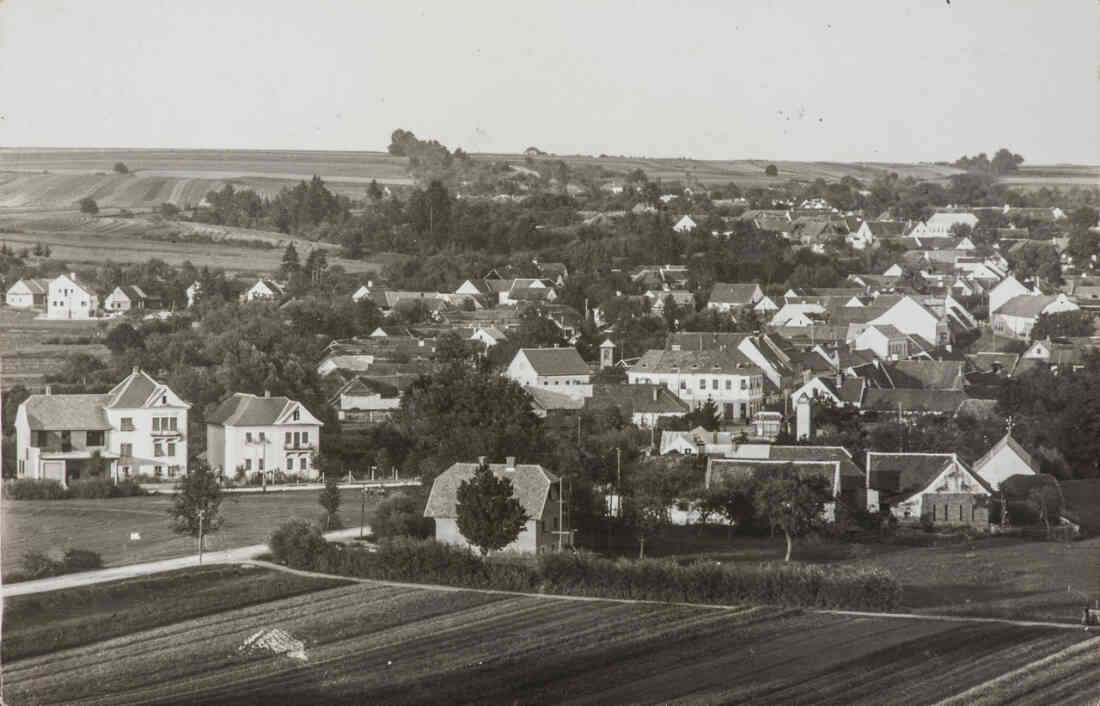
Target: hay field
377,643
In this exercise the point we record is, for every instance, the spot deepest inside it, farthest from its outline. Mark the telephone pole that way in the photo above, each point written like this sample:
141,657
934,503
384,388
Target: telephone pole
202,515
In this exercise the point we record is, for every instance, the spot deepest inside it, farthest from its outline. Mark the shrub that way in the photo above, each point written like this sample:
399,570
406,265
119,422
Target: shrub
128,488
31,489
90,489
82,560
298,544
39,565
401,515
36,565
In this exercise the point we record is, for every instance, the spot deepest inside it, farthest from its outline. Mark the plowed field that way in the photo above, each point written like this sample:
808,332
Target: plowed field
373,643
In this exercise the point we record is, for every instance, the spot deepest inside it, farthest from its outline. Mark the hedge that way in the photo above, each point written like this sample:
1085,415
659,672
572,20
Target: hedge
37,565
584,574
94,488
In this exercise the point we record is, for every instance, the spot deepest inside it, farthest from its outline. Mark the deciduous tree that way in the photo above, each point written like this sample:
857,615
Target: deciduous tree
790,502
197,493
489,516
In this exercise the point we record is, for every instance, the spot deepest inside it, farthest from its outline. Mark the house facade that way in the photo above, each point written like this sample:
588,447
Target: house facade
71,298
139,427
263,290
1007,458
28,294
725,376
537,490
559,369
731,296
1017,316
937,487
124,298
252,434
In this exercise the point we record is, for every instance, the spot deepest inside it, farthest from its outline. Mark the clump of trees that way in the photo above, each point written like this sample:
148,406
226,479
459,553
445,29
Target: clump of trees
1003,162
88,206
121,168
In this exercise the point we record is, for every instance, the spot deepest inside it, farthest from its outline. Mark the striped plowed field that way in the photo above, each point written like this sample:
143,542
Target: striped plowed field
373,643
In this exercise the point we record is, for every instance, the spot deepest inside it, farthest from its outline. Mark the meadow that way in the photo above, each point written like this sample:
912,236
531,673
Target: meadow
378,643
105,526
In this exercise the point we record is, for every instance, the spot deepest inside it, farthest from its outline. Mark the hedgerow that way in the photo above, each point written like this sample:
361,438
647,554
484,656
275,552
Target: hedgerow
94,488
584,574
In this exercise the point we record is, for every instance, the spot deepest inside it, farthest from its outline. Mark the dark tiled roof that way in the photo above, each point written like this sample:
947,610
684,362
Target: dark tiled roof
243,409
705,340
66,412
886,228
728,361
935,401
1024,305
721,469
733,293
927,374
556,361
530,485
133,392
902,475
637,399
552,401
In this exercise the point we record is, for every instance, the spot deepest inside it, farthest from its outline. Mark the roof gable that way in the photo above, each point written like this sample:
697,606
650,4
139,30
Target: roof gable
555,361
530,485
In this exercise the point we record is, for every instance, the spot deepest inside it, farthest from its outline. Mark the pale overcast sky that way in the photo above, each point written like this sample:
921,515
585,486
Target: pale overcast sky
905,80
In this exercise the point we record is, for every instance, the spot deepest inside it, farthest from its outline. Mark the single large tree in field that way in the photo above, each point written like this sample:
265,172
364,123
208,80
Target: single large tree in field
790,502
197,493
88,205
489,516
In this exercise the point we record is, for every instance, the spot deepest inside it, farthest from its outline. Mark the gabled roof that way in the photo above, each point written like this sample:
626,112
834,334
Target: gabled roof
551,401
66,412
720,469
133,392
733,293
881,229
849,391
364,387
35,285
704,340
243,409
728,361
1026,305
637,399
935,401
556,361
927,374
899,476
530,485
1011,443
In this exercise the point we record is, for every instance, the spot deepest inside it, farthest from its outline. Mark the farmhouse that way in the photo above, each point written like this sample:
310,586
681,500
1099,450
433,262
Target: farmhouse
1007,458
263,289
125,298
28,294
139,426
536,489
644,405
561,369
729,296
71,298
1017,316
938,487
365,401
254,435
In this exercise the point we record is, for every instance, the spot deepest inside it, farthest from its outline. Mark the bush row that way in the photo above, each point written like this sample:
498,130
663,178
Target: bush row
37,565
94,488
584,574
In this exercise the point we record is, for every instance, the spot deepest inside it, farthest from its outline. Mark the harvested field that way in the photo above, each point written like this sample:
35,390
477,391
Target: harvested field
40,623
374,643
104,526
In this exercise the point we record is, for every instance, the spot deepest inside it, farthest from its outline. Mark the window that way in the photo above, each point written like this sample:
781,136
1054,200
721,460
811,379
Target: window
263,437
95,438
126,450
158,450
288,438
127,424
305,462
744,384
290,463
729,384
41,439
156,423
164,399
714,384
171,448
248,464
261,464
247,437
305,438
683,385
296,416
158,471
172,424
702,384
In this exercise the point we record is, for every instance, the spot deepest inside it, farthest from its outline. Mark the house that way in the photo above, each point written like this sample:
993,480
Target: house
685,225
909,402
938,487
263,289
833,464
839,390
765,306
140,426
1057,355
538,491
725,376
681,297
915,319
251,434
1007,458
870,231
926,374
729,296
30,293
644,405
349,362
1006,289
1017,316
366,401
70,298
939,224
561,369
799,314
488,336
886,342
894,270
125,298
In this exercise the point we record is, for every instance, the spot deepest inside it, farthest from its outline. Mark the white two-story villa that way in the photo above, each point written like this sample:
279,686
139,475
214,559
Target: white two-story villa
140,426
266,434
70,297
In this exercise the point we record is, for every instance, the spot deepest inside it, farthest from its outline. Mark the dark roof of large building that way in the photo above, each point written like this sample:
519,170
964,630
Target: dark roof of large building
1026,305
899,476
927,374
733,293
728,361
66,412
530,485
556,361
704,340
934,401
637,399
243,409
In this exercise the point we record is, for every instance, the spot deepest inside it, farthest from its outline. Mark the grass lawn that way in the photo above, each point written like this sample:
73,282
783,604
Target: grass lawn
992,577
41,623
105,526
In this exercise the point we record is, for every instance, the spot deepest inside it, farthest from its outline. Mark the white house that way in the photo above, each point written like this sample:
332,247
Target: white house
28,294
885,341
264,289
253,434
537,490
765,306
71,298
798,314
893,270
842,392
939,224
731,296
1006,458
365,401
935,486
913,318
1006,289
124,298
725,376
1017,316
560,369
870,231
488,336
685,225
140,426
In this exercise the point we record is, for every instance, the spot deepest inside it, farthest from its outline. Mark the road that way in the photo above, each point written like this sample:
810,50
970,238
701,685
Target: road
114,573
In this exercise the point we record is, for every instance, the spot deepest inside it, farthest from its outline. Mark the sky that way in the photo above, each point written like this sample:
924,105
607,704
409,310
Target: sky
911,81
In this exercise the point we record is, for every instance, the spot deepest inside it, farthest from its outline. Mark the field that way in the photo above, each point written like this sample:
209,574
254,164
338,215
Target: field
376,643
105,526
27,356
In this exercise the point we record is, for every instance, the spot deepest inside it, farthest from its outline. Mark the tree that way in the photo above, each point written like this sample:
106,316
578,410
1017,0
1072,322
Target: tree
169,210
1064,324
124,337
1005,161
198,494
1046,501
771,170
705,416
374,191
291,265
121,168
732,499
790,502
401,515
88,205
489,516
329,499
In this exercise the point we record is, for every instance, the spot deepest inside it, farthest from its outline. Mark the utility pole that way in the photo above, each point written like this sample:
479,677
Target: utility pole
561,512
363,512
202,515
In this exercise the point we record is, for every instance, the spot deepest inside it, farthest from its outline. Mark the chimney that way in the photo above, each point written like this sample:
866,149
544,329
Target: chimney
49,389
267,394
509,463
481,460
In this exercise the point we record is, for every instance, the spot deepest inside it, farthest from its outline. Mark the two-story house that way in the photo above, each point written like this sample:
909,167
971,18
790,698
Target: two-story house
254,434
140,426
724,375
71,298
